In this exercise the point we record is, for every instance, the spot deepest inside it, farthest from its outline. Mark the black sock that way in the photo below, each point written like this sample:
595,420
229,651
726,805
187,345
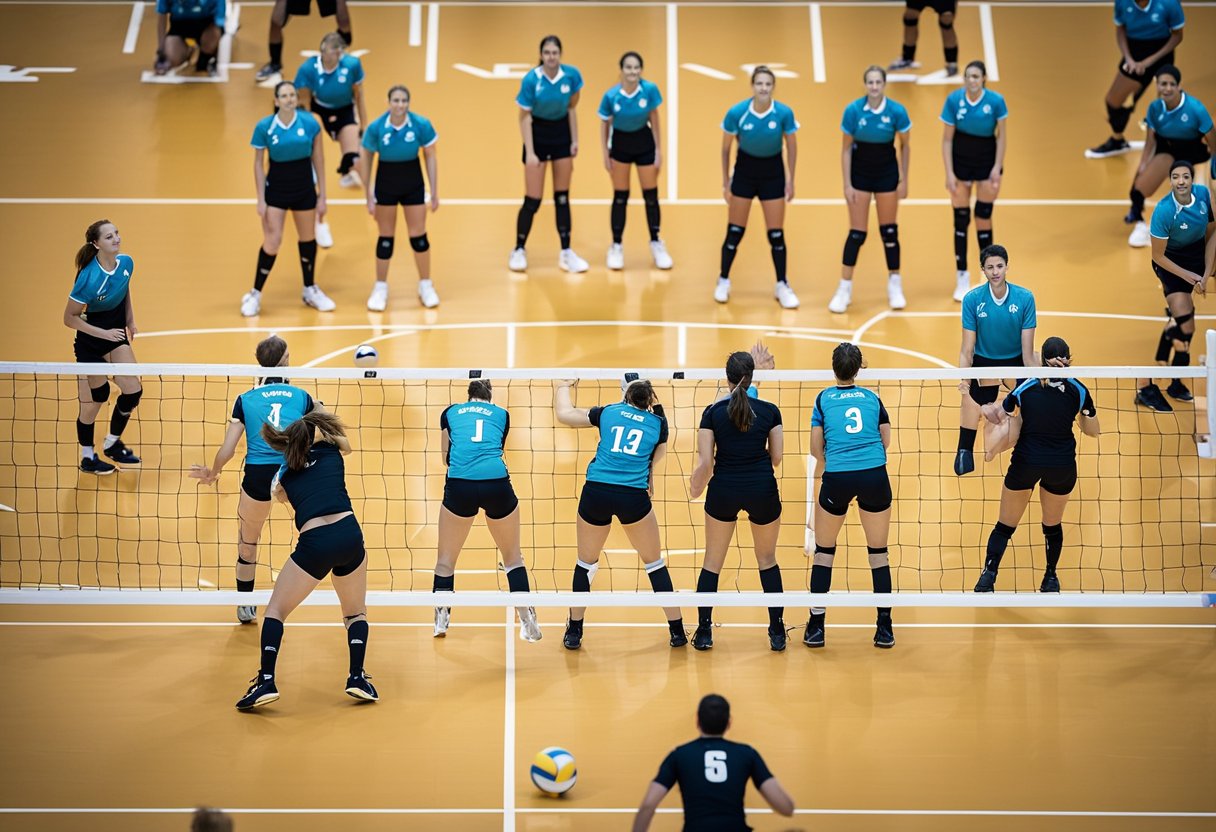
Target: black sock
997,541
244,586
951,54
1118,118
1164,347
734,233
660,579
1137,200
620,200
651,197
561,204
881,577
523,223
347,36
983,238
770,581
272,639
517,579
356,640
776,241
909,52
348,162
308,260
86,435
443,583
204,59
821,579
1181,359
962,218
265,264
706,582
1054,535
119,417
276,53
582,579
966,439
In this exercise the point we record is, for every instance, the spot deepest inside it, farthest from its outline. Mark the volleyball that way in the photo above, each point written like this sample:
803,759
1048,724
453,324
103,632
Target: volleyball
553,771
366,356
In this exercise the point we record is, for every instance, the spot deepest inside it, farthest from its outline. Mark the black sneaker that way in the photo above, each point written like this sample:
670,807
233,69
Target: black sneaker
814,635
573,639
93,465
1150,396
1050,582
679,638
964,462
261,692
269,70
1179,392
703,638
1110,147
1131,217
884,634
360,687
777,636
121,454
987,581
951,70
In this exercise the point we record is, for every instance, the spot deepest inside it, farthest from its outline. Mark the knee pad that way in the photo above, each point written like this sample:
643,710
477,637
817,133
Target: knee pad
591,568
734,234
962,219
983,210
102,393
241,560
308,249
1175,332
945,26
878,557
561,197
419,243
650,196
890,234
531,204
620,197
384,248
776,239
984,394
852,247
1004,531
911,20
127,402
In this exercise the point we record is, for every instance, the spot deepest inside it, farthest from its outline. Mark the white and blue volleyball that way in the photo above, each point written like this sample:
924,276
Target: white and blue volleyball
366,356
553,771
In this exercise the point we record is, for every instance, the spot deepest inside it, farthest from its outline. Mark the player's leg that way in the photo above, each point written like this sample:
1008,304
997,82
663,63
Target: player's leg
208,49
644,537
93,392
1182,309
534,189
342,13
945,22
859,217
415,221
348,143
619,174
251,519
1118,114
774,222
829,518
505,532
386,228
718,535
979,392
278,19
563,170
351,589
590,543
1053,500
1013,505
453,532
306,232
985,198
738,208
648,178
177,51
960,204
875,513
291,587
273,221
764,540
887,207
129,393
907,59
1148,180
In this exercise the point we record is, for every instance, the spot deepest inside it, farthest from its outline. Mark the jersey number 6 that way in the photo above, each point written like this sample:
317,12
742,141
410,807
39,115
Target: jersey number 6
715,766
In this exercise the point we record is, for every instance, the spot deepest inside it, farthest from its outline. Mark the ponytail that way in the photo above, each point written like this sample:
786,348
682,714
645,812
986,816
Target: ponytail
739,369
88,251
296,440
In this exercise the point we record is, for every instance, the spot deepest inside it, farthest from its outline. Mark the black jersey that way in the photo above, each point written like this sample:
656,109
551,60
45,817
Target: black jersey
741,459
319,488
1049,407
713,774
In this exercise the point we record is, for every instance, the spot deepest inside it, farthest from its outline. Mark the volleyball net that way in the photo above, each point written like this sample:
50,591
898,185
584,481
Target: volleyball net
1141,521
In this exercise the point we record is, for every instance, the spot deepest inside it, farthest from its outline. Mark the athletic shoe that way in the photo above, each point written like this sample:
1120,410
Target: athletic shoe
777,636
658,253
951,70
94,465
247,614
1131,218
443,618
895,292
251,303
377,301
964,462
529,629
351,179
1139,238
703,638
1110,147
987,581
360,687
212,69
268,71
814,635
427,294
722,290
318,300
843,297
679,638
884,634
616,257
903,63
325,238
571,262
1050,582
121,454
1179,391
1150,396
262,691
573,639
518,261
785,295
962,285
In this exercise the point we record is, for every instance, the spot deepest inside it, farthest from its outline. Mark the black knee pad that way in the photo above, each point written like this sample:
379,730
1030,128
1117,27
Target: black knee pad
384,248
852,247
985,393
620,197
911,20
734,234
1175,331
531,204
945,26
650,196
561,197
983,210
102,393
776,239
890,234
308,250
127,402
419,243
962,219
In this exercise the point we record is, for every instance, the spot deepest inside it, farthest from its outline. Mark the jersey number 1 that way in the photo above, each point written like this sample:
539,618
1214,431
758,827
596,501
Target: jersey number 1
477,437
715,766
632,440
276,415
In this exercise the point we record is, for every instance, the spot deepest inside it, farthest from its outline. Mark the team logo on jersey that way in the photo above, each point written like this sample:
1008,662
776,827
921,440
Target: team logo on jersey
749,127
987,109
387,138
1013,308
1183,227
962,112
299,131
861,123
642,103
409,135
565,89
886,119
1156,17
1185,117
274,139
616,108
979,310
772,125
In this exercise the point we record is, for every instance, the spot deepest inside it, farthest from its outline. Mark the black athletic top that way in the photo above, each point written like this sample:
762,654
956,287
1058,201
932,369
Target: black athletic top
741,459
713,774
1048,411
319,488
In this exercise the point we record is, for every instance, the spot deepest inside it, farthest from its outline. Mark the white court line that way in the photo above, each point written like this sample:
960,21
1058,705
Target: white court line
415,24
623,625
137,17
818,62
570,810
989,36
673,103
861,330
513,202
681,346
511,338
508,728
930,359
432,43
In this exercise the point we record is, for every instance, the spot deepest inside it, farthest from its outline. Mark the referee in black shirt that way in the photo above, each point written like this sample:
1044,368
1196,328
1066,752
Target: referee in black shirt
713,772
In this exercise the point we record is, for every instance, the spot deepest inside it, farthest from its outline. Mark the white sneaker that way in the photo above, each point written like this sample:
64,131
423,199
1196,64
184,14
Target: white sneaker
962,285
246,614
722,290
251,304
518,261
658,251
378,299
529,630
785,295
427,294
351,179
895,292
318,300
324,238
616,257
571,262
443,618
1139,238
843,297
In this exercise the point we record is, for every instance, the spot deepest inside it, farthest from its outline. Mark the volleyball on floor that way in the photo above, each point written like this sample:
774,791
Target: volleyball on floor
553,771
366,356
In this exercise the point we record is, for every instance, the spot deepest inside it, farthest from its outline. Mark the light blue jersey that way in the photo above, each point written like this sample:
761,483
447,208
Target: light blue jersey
286,142
549,98
975,118
333,88
1154,22
399,144
274,402
1180,225
477,431
1187,122
628,440
630,111
760,134
194,10
998,324
850,417
878,125
100,290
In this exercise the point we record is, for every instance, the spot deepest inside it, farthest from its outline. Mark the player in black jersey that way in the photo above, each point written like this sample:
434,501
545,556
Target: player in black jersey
713,772
1044,454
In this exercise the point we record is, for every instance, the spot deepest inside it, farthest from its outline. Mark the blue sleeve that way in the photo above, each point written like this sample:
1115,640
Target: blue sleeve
1175,17
1162,219
656,95
576,82
848,123
1030,318
162,6
304,80
1118,16
948,109
968,314
1001,110
527,92
426,133
903,122
78,288
817,413
1010,404
356,74
753,392
313,125
1205,118
789,124
260,140
730,122
605,110
668,773
371,135
221,14
593,415
238,410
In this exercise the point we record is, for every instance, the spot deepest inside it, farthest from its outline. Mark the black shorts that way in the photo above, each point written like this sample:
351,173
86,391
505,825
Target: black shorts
1054,479
465,498
973,156
979,393
758,177
257,479
1192,150
302,8
1191,257
1140,50
337,547
939,6
600,501
334,119
92,350
633,148
724,501
874,168
871,487
290,185
400,183
550,139
189,28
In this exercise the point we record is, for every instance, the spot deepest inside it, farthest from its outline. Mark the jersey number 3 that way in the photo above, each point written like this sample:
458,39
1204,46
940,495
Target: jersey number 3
853,414
632,440
715,766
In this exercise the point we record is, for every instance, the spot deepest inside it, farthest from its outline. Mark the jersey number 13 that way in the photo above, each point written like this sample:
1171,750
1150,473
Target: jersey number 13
632,440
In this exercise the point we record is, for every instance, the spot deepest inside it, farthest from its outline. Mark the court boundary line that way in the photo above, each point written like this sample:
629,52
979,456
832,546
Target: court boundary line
137,18
673,102
513,202
630,625
432,44
415,37
573,810
818,61
508,726
988,36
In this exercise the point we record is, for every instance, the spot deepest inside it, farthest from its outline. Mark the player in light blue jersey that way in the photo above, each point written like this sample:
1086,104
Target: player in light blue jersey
179,22
99,309
474,436
974,139
332,86
759,124
620,482
400,137
1184,258
1179,128
548,121
871,125
850,434
283,11
274,402
629,134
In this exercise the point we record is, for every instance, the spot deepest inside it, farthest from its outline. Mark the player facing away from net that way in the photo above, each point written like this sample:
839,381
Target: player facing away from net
620,482
1044,454
850,434
274,402
474,434
1179,129
946,10
974,140
279,15
740,440
759,124
295,182
332,86
1146,32
181,21
871,170
99,309
1184,256
629,135
713,772
312,481
400,137
548,122
999,319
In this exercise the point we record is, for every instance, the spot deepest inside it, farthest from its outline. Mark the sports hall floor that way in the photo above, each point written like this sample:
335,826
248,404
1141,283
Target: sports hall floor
115,718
